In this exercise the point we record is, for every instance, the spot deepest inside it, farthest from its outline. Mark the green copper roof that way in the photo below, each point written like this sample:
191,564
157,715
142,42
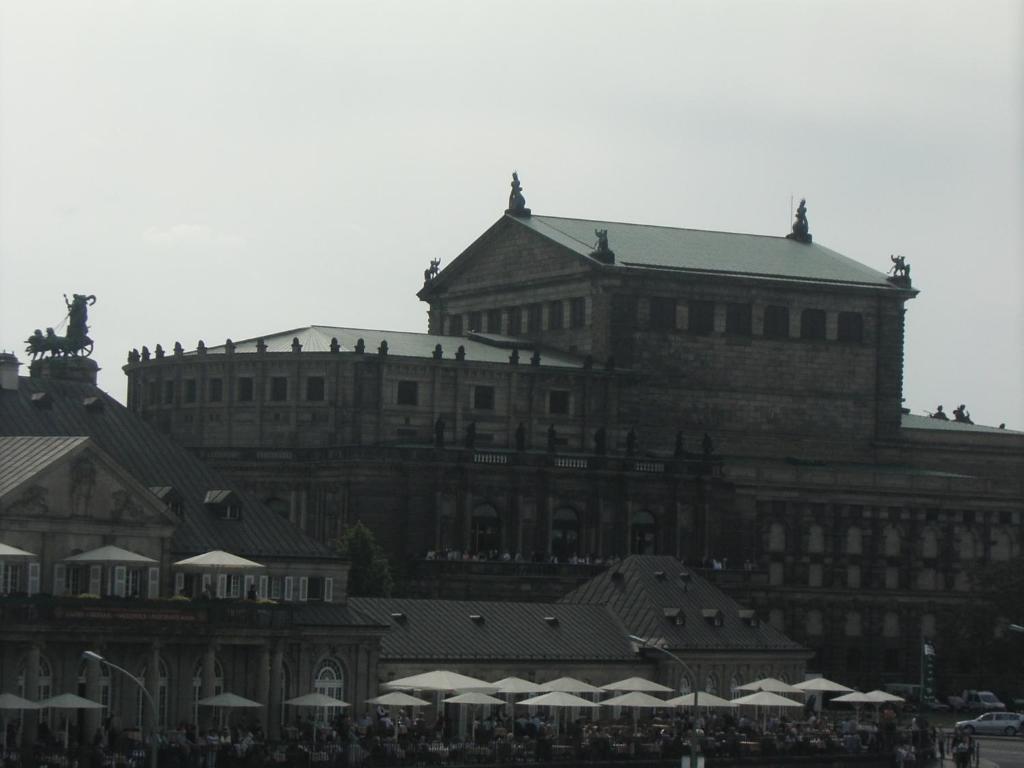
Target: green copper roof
654,247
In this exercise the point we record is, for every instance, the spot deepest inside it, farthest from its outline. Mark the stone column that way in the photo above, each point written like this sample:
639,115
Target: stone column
150,719
208,683
92,692
31,718
263,680
274,694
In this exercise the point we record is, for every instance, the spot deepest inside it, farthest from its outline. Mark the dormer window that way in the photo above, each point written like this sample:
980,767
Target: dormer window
675,616
713,616
173,501
749,617
224,504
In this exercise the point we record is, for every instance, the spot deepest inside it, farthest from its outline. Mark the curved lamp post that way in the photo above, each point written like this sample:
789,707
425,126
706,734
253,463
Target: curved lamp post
646,643
1016,628
156,715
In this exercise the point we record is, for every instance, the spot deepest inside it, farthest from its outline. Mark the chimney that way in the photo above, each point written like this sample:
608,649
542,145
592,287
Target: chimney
8,372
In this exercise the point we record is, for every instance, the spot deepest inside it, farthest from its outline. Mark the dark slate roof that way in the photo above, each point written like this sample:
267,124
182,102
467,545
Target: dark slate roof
334,615
480,348
644,591
695,250
21,458
915,421
445,629
155,461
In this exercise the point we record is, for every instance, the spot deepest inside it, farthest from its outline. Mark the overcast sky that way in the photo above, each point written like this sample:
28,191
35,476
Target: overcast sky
231,169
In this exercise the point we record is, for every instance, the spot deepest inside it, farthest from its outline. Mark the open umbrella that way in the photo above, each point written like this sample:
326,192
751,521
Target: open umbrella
764,700
883,697
769,684
398,699
517,685
637,684
570,685
10,701
473,699
854,697
228,701
68,701
635,700
8,552
440,680
822,684
108,554
217,560
704,699
318,701
557,699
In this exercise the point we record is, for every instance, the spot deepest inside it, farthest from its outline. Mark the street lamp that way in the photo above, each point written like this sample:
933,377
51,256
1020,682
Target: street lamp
156,716
646,643
1016,628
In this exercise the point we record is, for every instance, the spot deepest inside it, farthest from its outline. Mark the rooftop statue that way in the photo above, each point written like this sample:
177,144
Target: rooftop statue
76,342
899,270
801,229
431,272
962,415
602,251
516,201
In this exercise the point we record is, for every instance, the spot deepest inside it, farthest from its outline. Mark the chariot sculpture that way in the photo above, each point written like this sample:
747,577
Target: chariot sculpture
76,342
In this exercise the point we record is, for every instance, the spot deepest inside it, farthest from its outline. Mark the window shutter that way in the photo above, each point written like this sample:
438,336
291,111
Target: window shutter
263,587
95,579
154,583
222,585
288,587
303,588
120,579
179,583
328,590
33,578
59,579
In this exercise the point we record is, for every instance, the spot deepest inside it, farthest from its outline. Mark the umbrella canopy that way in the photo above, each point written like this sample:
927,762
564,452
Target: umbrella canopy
882,697
8,552
399,699
637,684
440,680
703,700
635,700
474,697
228,700
570,685
557,699
217,560
109,554
765,699
823,685
517,685
10,701
317,700
855,697
769,684
68,701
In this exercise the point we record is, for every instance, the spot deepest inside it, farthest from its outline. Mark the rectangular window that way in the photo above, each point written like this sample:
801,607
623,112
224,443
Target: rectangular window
278,388
812,324
190,390
408,393
475,321
245,389
558,402
216,390
494,321
483,398
315,389
663,313
556,318
168,392
534,315
850,328
455,325
738,320
577,312
315,589
515,321
154,392
276,587
702,317
776,322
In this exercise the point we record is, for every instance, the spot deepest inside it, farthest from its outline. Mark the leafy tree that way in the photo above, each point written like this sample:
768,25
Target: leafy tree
369,571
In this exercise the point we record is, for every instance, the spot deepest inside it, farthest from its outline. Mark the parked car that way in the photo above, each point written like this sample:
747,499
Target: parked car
977,701
1000,723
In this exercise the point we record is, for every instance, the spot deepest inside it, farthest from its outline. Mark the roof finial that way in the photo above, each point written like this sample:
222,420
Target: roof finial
801,229
516,201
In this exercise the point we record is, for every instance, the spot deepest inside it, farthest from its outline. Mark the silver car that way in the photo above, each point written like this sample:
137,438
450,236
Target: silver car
1001,723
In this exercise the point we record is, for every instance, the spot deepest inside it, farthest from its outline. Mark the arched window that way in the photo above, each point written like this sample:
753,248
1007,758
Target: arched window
854,540
734,682
815,540
484,530
329,680
776,537
813,624
104,680
853,628
141,704
197,686
891,541
710,684
968,545
643,533
1002,546
685,685
45,686
565,534
929,544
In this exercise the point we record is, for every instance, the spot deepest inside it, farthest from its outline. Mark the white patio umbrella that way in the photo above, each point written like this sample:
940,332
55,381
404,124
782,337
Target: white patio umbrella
517,685
637,684
770,684
473,699
704,699
8,552
558,700
398,699
217,560
822,684
109,554
854,697
10,701
765,700
68,701
316,700
570,685
440,680
228,701
635,700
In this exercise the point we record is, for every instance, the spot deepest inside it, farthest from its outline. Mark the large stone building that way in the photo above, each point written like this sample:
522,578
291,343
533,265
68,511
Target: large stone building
591,389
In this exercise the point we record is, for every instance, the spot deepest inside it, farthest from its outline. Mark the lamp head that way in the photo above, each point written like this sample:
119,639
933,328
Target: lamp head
1016,628
92,655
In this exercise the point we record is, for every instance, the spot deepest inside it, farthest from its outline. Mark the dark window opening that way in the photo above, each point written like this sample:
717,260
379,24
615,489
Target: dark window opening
663,313
776,322
168,392
279,388
702,317
485,530
408,393
891,660
565,534
315,388
534,314
556,320
315,588
850,328
494,321
483,398
515,321
245,389
216,389
190,390
738,320
577,312
154,393
558,402
455,325
475,321
812,324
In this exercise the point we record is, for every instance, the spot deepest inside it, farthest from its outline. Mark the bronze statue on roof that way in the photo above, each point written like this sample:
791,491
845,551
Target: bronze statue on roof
900,271
801,229
602,251
516,201
76,342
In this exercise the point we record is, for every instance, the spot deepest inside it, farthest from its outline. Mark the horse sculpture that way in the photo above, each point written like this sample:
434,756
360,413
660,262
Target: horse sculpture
76,342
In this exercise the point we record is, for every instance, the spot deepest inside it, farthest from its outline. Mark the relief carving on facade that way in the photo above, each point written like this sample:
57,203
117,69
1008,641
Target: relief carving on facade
83,481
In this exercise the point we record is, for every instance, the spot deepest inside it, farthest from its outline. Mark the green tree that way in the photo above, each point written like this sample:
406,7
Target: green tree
369,571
